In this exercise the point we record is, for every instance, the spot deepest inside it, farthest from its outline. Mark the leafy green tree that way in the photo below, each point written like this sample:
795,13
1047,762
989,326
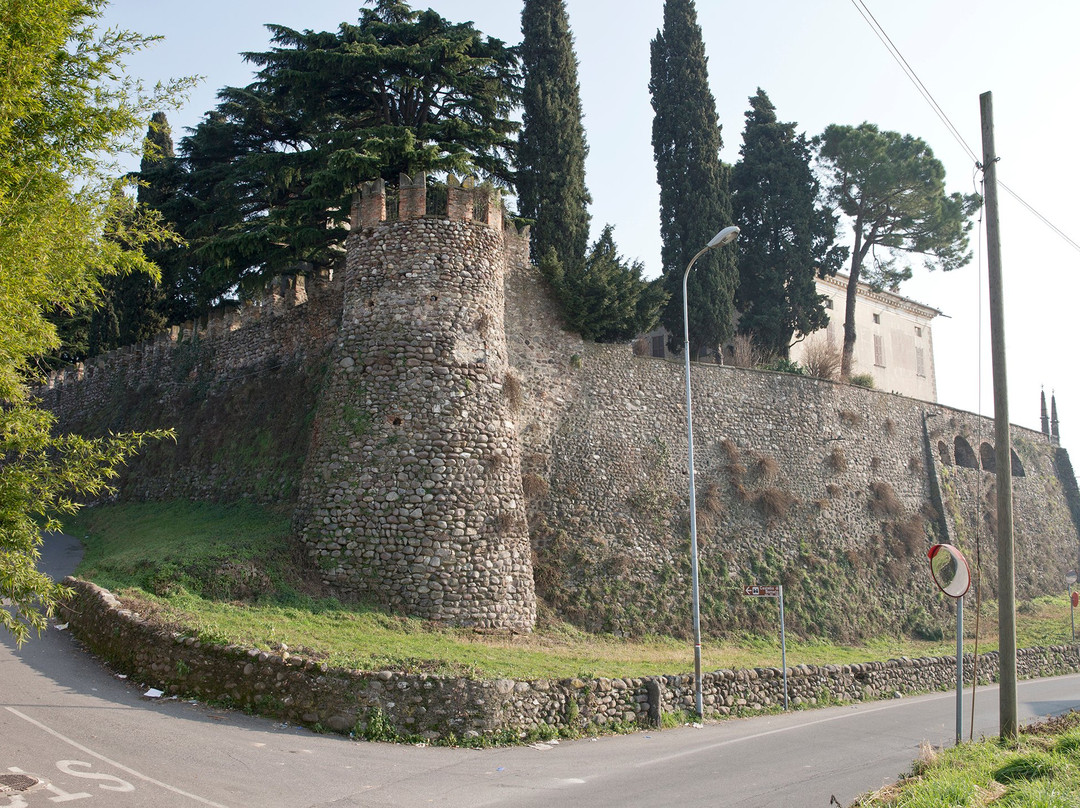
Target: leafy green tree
271,171
694,201
552,149
64,228
892,190
607,301
786,238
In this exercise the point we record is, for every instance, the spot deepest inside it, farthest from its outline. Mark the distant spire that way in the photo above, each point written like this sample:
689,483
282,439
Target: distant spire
1053,418
1045,417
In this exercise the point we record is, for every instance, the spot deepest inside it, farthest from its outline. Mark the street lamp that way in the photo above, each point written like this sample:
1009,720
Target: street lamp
725,236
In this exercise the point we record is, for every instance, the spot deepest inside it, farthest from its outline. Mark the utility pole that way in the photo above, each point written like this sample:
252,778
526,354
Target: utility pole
1002,442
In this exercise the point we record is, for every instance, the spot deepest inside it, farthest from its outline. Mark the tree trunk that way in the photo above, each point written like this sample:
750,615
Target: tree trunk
849,307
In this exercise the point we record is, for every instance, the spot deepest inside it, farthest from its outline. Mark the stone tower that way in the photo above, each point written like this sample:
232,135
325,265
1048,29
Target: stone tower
411,494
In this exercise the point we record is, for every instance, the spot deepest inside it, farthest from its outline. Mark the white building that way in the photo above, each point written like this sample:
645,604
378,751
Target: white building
894,341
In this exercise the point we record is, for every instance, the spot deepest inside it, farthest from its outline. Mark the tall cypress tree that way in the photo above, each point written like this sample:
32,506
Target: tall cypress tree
694,201
130,310
552,149
786,238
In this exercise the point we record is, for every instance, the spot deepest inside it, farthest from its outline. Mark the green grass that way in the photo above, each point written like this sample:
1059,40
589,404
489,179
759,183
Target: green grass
232,574
1041,769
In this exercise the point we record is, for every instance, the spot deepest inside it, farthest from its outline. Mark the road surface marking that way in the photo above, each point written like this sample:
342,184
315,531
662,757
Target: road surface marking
112,763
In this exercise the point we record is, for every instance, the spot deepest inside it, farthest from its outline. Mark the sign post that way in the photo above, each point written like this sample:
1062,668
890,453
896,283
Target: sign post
773,591
950,571
1070,579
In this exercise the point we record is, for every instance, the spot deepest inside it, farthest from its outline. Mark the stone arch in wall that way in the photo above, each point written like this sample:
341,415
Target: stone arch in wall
963,453
1017,466
943,453
989,461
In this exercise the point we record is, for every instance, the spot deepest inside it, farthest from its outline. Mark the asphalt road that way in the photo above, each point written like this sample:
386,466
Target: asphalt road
91,738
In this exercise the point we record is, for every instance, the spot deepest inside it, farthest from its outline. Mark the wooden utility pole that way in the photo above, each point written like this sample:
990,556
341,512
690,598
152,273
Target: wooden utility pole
1002,441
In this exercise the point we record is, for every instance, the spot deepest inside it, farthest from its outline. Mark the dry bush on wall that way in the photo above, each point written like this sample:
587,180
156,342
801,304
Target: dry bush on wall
641,347
883,500
850,418
534,486
743,354
712,500
837,460
833,490
512,391
821,358
768,468
774,503
890,427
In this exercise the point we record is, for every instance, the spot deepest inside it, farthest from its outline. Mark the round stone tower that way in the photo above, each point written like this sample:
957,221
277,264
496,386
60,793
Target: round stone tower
411,494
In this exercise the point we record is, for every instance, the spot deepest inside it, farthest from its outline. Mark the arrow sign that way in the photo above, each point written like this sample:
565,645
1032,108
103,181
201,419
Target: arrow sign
762,591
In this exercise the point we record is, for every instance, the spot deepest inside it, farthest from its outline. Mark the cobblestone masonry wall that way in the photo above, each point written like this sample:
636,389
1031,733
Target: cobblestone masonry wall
831,489
412,489
456,405
304,691
237,388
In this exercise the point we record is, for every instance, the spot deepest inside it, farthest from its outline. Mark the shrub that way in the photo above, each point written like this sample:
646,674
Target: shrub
768,468
774,503
851,418
862,380
512,391
534,486
785,366
743,353
822,359
837,460
883,500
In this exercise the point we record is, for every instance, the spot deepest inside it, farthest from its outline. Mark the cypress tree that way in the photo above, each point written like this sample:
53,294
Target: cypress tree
130,309
552,147
786,239
694,201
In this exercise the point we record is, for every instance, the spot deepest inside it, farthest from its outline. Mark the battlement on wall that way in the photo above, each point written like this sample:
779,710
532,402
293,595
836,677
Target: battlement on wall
282,296
459,200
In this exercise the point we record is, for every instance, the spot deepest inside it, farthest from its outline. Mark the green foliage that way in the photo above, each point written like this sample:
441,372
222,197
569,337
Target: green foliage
604,298
862,380
67,223
892,189
694,202
552,148
269,175
786,238
781,365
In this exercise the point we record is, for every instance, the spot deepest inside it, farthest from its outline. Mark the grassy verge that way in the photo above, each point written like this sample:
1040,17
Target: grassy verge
1041,769
230,573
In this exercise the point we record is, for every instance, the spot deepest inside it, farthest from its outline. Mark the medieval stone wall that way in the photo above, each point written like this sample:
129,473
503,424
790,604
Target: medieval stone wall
449,446
833,490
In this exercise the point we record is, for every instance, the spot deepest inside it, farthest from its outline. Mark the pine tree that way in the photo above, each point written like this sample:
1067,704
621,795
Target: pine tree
552,147
694,202
607,301
786,239
892,190
270,173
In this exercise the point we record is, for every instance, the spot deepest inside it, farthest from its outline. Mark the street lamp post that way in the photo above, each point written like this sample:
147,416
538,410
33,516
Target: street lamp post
725,236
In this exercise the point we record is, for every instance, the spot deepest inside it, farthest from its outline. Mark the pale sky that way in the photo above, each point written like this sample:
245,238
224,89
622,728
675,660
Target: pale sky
820,63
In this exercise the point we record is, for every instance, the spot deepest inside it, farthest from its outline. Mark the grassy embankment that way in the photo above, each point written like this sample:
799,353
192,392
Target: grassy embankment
1041,769
228,573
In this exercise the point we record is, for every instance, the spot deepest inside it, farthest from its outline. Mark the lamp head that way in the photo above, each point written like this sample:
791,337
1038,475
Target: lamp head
725,236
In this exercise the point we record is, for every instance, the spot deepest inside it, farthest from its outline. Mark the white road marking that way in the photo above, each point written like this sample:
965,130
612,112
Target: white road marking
113,763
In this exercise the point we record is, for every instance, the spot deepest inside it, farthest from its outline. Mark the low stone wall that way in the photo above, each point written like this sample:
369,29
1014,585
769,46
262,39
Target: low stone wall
307,692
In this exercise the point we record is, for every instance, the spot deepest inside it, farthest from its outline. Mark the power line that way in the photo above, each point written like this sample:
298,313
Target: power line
913,77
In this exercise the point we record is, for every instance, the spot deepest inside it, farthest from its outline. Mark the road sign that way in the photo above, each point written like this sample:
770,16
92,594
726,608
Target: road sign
762,591
1070,577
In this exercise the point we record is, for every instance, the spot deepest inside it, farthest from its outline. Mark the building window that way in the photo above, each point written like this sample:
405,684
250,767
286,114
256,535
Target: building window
879,351
827,302
877,319
918,331
920,362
